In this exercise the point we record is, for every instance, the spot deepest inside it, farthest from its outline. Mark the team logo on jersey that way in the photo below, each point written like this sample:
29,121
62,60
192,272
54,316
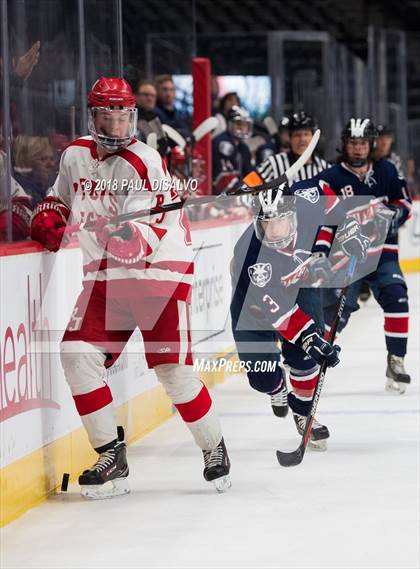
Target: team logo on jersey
310,194
226,148
369,179
260,274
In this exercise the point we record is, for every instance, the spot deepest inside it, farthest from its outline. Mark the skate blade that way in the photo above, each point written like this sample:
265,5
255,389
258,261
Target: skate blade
394,387
318,446
108,490
222,484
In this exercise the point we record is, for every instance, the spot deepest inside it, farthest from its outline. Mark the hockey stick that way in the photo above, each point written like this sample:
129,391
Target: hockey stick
209,124
287,176
270,125
203,129
174,135
295,457
151,140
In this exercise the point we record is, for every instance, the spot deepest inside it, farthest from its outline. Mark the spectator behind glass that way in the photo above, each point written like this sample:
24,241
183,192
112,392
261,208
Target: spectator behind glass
34,166
146,95
21,69
148,119
165,107
225,104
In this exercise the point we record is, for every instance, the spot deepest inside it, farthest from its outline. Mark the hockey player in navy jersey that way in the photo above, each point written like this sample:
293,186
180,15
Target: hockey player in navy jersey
273,260
231,156
278,142
357,174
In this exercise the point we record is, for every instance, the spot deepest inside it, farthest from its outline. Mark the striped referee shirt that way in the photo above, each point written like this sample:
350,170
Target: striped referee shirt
276,165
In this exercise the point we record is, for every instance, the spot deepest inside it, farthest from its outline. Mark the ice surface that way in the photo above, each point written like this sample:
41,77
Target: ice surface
357,505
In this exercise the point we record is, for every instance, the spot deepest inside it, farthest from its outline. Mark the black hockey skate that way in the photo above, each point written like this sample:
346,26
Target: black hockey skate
279,403
217,467
111,467
397,377
365,292
319,433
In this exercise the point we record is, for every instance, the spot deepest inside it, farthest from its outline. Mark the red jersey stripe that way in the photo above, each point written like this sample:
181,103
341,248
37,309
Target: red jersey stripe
137,164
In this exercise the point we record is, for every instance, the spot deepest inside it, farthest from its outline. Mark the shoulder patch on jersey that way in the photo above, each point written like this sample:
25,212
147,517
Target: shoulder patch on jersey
226,148
260,274
310,194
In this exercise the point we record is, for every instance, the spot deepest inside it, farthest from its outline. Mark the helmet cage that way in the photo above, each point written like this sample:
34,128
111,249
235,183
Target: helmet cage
112,143
273,205
279,243
239,131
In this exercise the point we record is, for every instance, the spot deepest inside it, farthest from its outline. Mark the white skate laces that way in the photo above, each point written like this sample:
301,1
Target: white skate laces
108,476
319,432
213,457
217,467
279,401
105,459
279,398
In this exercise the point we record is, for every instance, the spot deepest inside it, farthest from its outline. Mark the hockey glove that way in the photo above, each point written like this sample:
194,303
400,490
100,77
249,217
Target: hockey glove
396,221
21,220
49,220
124,242
318,348
319,267
352,240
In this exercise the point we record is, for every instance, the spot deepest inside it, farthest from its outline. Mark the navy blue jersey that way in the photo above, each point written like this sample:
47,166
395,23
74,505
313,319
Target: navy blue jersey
231,161
381,184
266,281
269,148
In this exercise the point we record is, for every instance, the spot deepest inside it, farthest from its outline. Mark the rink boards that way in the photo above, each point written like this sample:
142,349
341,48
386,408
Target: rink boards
41,436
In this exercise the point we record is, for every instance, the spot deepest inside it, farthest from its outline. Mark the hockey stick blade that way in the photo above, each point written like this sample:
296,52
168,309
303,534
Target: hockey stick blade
304,157
292,458
270,125
174,135
205,127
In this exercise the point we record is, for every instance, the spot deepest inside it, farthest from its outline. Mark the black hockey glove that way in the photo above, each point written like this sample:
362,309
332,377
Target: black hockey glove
396,221
352,240
319,267
318,348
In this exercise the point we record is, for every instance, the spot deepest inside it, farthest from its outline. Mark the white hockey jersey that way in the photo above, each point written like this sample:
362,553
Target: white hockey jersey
132,179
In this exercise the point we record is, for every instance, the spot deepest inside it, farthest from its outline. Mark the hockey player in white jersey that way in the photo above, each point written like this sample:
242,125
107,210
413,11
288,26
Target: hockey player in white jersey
138,273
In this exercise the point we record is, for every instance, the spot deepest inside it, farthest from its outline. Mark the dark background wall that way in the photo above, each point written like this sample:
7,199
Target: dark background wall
346,21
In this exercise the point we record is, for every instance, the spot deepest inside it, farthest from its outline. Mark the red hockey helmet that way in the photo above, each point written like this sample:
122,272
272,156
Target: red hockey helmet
178,157
111,92
180,164
112,113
